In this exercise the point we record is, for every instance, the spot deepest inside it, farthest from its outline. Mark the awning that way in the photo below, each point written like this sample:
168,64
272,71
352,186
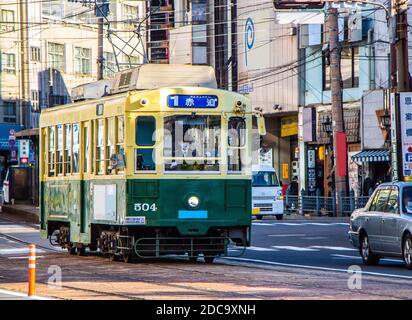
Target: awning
372,156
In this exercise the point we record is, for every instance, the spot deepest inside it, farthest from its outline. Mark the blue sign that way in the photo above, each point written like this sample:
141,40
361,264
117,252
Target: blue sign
192,101
408,157
249,36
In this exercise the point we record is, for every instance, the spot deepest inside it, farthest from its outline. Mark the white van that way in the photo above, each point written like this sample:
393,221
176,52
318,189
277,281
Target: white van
267,198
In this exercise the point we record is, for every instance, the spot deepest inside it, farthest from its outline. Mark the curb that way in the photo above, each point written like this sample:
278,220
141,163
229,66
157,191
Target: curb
27,216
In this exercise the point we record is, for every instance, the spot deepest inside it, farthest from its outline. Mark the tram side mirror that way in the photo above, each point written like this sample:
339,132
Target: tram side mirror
261,125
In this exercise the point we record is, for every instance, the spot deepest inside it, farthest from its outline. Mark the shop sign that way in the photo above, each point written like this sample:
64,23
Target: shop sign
406,132
289,126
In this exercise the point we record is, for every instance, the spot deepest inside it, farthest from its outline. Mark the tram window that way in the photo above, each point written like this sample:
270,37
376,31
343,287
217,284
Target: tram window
76,147
110,145
59,163
145,128
236,140
86,149
120,129
192,143
51,152
236,132
67,149
145,159
100,146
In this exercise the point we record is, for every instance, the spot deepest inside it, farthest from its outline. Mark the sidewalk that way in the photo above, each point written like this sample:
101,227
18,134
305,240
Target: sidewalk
27,213
13,295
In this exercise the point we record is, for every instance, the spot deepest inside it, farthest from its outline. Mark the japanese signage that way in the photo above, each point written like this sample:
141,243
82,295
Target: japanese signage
192,101
12,137
405,108
289,126
311,172
24,150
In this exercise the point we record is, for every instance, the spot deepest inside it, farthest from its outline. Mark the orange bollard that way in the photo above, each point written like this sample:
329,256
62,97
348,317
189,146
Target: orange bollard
32,270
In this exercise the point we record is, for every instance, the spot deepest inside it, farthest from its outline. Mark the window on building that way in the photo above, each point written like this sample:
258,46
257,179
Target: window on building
83,61
349,69
131,14
8,63
7,20
35,54
56,56
9,111
35,102
109,64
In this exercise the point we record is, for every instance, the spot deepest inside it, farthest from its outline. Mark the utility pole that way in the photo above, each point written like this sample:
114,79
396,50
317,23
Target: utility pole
336,92
23,114
100,49
399,68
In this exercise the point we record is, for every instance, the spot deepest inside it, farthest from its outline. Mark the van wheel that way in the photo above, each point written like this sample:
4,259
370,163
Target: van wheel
407,251
368,257
259,217
279,216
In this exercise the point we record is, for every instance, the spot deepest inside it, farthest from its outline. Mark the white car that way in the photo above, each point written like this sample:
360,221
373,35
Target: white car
267,198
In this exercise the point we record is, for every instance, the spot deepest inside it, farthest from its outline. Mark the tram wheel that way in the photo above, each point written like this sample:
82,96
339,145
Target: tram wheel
81,251
127,257
112,257
209,259
193,258
72,250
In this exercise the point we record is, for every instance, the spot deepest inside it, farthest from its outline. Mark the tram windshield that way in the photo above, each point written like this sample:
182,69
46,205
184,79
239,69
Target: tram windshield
192,143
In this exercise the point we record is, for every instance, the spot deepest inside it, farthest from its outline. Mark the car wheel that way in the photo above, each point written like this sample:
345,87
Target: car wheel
368,257
279,216
407,251
259,217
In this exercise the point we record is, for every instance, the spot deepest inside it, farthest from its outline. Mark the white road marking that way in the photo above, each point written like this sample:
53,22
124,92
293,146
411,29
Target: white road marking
17,251
260,249
343,256
287,235
292,248
334,248
294,224
317,268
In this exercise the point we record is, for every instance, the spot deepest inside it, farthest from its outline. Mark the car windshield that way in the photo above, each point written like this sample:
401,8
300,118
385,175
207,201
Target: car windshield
407,199
265,179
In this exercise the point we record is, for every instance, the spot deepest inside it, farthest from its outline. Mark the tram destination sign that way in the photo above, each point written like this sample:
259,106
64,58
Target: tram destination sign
192,101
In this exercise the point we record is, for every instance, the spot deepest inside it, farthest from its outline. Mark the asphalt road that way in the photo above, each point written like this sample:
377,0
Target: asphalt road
298,244
321,244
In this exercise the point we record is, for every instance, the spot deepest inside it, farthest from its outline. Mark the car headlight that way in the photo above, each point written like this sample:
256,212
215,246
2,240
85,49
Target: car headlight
193,201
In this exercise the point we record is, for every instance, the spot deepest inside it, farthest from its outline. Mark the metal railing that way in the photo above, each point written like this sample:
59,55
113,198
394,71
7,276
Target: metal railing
324,205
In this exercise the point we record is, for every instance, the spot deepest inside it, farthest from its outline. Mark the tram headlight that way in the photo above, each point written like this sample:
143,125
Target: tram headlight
193,201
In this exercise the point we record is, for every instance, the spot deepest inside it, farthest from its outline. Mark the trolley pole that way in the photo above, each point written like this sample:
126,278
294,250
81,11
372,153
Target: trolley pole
336,92
100,49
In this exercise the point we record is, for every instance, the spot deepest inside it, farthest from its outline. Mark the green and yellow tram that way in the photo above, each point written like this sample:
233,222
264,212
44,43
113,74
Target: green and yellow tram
148,172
